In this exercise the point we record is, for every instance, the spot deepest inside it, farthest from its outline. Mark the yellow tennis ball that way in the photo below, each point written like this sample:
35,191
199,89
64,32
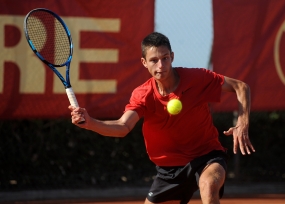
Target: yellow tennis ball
174,106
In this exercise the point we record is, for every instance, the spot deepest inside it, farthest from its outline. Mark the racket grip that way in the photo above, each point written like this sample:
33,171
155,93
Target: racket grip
73,101
71,97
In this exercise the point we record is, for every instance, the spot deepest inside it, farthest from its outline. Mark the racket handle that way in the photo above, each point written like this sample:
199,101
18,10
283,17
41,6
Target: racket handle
71,97
72,100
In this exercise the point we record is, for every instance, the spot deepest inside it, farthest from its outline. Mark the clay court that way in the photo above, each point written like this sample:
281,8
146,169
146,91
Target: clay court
195,201
250,194
258,199
223,201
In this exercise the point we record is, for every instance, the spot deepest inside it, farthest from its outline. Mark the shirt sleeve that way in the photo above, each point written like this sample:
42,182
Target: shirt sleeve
212,86
137,101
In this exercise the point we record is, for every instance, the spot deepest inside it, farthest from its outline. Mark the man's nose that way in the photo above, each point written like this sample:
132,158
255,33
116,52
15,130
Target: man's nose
159,64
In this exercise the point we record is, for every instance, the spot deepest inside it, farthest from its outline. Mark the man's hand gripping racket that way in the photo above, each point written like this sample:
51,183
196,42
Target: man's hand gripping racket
50,39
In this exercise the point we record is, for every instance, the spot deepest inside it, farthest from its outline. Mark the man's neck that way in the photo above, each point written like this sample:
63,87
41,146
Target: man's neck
168,86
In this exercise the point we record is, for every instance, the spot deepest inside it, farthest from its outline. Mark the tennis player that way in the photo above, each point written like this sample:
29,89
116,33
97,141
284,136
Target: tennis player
185,147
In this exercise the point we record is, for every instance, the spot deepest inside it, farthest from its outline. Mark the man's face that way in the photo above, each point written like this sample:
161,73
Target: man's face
158,61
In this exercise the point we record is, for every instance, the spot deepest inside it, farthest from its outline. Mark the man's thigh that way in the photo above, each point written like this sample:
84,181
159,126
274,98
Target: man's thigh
212,178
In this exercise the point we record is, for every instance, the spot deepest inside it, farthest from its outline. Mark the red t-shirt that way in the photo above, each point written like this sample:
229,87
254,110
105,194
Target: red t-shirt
174,140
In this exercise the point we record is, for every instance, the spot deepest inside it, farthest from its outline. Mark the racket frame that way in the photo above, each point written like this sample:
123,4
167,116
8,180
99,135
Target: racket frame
65,82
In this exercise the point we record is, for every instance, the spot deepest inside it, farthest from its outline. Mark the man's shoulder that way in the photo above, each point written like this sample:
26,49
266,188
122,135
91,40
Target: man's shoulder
144,88
146,85
190,70
192,75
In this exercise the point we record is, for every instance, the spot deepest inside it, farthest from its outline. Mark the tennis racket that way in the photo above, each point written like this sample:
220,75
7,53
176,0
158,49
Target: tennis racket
50,39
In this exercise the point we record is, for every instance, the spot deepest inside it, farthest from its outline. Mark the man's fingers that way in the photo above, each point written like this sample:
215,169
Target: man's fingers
77,114
245,145
240,140
229,132
250,147
235,145
247,149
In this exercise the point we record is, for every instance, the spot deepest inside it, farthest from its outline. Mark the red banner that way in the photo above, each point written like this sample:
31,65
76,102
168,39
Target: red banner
105,67
249,44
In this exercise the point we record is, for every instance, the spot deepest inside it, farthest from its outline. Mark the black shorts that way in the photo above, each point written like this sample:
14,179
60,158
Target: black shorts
180,182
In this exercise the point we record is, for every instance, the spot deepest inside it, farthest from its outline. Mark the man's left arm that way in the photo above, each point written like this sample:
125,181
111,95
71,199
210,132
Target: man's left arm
240,131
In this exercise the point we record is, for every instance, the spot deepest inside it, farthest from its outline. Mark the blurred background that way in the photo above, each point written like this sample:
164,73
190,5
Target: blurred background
189,26
47,152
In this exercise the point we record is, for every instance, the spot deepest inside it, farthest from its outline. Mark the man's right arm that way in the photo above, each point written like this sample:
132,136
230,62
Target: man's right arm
114,128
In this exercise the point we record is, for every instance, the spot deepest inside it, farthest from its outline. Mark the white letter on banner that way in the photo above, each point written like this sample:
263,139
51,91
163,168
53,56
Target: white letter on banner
76,25
32,71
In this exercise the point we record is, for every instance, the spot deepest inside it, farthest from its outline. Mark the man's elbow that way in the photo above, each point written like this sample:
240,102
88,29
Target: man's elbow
244,86
124,131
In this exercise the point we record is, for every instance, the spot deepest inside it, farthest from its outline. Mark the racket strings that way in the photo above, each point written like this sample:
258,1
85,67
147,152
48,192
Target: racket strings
49,37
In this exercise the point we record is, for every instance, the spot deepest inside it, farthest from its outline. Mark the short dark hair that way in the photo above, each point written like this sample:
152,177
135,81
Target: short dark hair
154,39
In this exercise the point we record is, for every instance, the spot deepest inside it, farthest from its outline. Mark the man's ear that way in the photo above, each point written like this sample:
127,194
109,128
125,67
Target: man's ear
172,56
144,62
